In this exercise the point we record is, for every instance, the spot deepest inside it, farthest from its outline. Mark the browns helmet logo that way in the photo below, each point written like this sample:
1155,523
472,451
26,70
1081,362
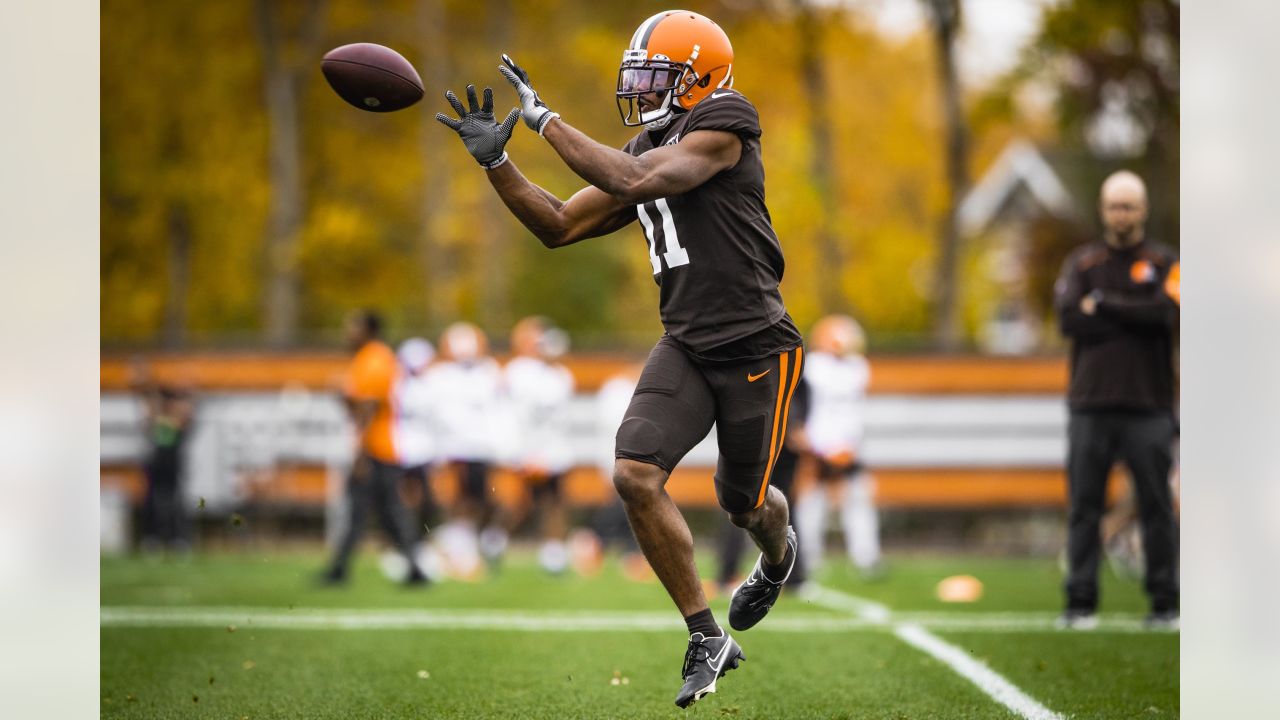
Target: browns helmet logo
839,335
1142,271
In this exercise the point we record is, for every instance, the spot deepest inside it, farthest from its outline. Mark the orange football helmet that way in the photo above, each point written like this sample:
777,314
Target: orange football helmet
839,335
526,336
464,342
536,336
680,55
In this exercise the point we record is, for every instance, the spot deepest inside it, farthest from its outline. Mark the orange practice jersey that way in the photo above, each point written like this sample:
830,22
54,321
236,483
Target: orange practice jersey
371,378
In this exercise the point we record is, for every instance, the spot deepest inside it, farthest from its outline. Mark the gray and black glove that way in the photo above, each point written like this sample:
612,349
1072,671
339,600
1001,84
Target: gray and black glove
483,136
535,112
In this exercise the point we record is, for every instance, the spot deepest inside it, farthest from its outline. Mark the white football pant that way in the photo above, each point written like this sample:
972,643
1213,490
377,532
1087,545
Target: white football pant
859,522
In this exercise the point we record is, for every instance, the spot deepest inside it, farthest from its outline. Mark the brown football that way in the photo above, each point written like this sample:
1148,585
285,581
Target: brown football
372,77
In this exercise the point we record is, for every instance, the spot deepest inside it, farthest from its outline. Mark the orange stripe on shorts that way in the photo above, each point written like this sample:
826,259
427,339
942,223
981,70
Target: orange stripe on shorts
782,411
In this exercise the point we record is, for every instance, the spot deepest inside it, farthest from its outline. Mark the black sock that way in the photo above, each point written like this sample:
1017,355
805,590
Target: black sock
776,573
703,622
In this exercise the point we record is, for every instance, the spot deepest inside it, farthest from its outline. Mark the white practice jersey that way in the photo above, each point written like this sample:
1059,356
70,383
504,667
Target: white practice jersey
837,402
535,403
415,428
611,407
466,409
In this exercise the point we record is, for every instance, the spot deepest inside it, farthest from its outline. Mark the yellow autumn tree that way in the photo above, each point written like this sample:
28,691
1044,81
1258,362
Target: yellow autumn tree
395,215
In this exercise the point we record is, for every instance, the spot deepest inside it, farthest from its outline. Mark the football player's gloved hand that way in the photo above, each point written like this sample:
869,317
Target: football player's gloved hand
480,132
535,112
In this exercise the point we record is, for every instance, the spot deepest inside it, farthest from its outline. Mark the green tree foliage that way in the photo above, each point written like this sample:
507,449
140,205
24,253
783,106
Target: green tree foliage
1112,67
1109,70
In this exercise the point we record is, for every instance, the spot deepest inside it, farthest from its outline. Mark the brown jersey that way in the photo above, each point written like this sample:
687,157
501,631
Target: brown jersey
713,251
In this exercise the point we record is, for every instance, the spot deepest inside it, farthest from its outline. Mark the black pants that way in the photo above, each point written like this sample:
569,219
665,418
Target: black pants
473,476
426,512
1144,442
162,515
733,539
677,400
377,489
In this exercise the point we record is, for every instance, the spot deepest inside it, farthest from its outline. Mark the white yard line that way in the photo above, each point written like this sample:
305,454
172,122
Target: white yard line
914,634
559,621
354,619
1013,622
975,671
869,610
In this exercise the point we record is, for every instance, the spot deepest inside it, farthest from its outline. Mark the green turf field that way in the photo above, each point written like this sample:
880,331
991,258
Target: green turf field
250,635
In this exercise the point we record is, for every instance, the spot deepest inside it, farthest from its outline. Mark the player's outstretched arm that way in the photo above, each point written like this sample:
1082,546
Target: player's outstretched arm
589,213
661,172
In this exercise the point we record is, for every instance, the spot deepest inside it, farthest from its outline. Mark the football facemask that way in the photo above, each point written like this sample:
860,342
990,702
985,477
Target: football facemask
639,77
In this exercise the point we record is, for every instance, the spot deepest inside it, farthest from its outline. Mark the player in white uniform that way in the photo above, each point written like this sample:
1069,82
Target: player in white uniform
466,387
837,375
610,521
415,417
537,394
415,441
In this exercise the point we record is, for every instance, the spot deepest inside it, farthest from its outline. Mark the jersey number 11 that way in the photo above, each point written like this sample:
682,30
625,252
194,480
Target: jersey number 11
674,254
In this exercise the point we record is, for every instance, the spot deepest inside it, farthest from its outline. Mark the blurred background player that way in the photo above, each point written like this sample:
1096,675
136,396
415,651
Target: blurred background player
537,391
168,411
836,378
610,521
1118,302
415,430
466,385
375,473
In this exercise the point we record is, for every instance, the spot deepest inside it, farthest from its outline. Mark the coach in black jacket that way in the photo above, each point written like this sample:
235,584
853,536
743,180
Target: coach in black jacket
1118,302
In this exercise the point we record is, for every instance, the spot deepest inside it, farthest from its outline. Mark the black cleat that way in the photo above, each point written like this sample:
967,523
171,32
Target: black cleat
706,660
332,578
753,598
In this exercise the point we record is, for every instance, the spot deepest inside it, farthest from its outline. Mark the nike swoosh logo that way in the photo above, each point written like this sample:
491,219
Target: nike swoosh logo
753,378
717,662
720,95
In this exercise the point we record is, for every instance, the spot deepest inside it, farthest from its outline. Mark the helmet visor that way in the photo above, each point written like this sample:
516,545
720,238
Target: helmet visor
637,78
654,78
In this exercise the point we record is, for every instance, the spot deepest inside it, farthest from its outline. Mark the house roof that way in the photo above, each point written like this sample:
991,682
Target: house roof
1019,166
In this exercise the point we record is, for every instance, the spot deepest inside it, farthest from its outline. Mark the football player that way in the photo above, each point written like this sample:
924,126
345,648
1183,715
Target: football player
466,387
416,408
375,474
538,390
731,356
837,379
